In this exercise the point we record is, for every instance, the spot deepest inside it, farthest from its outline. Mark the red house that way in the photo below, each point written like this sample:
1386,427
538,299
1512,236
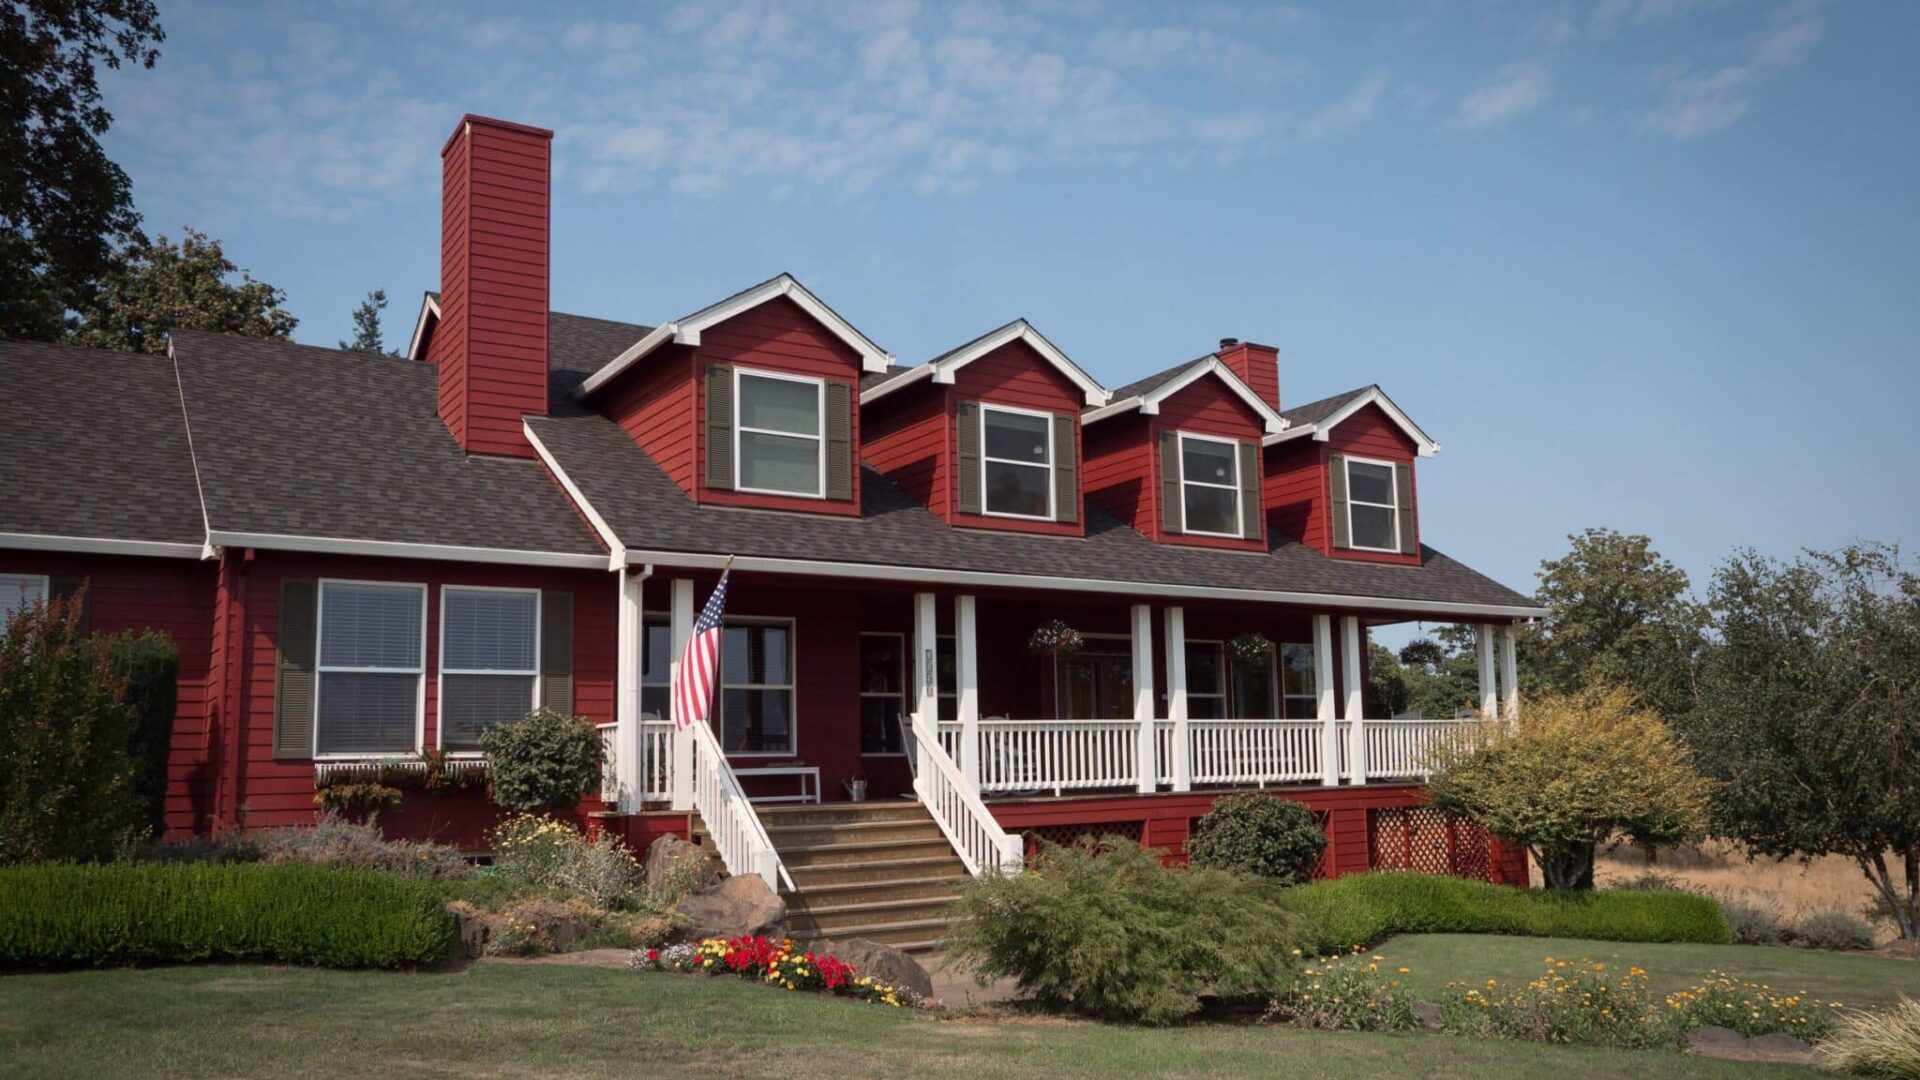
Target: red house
364,559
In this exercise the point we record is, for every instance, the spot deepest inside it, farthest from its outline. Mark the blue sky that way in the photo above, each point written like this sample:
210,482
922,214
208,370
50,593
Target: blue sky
1649,264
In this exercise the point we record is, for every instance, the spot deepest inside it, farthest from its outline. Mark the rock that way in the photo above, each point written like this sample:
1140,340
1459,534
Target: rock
675,867
737,906
1427,1013
1729,1045
878,961
472,928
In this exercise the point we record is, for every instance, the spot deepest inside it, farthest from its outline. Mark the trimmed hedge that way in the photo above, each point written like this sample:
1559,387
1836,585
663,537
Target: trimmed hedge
1360,909
65,915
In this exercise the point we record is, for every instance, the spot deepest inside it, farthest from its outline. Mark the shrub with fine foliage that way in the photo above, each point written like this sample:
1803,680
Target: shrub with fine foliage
64,915
1263,835
1835,930
1883,1044
1106,930
541,851
545,761
1752,923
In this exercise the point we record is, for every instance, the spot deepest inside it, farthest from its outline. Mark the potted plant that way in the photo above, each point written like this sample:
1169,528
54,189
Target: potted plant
1054,638
1250,646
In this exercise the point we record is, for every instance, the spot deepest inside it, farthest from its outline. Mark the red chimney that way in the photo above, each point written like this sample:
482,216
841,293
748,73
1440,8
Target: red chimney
491,340
1257,365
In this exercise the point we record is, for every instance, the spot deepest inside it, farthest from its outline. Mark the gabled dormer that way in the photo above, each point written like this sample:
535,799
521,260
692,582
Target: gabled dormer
749,401
1177,456
988,434
1340,478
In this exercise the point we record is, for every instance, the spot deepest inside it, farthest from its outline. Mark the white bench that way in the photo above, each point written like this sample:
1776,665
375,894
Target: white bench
809,782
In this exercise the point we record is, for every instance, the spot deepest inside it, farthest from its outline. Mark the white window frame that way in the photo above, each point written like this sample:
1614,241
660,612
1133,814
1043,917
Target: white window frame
819,437
440,677
320,668
1239,512
1393,495
900,699
1280,676
45,582
792,686
1053,496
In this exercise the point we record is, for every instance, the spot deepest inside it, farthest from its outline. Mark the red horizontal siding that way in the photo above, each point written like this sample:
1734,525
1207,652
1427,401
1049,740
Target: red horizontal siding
1117,471
1015,375
905,436
1369,433
656,407
1294,491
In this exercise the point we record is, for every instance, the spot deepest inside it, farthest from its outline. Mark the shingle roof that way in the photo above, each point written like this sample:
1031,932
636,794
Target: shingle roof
1142,387
1315,411
648,511
93,446
871,379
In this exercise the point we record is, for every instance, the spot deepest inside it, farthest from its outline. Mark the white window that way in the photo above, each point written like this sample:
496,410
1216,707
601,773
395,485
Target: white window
1373,516
1016,462
489,660
1210,485
371,695
1299,683
779,446
19,591
756,686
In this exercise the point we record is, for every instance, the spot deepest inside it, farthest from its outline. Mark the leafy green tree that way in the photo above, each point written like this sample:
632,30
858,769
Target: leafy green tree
1810,713
1621,615
157,286
1389,691
366,326
63,204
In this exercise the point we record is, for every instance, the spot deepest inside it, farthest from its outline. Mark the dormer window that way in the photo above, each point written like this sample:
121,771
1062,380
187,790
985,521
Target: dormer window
1016,460
1373,509
779,442
1210,485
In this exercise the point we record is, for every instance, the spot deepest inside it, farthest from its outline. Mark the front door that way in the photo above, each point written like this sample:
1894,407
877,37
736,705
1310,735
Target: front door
1096,683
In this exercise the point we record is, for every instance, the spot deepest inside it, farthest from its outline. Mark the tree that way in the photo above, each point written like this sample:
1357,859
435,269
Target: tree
1620,614
1573,772
156,286
63,204
1389,691
1810,713
366,326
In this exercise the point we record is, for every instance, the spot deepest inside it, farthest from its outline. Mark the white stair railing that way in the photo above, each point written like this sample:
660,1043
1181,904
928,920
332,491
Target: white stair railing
729,815
956,807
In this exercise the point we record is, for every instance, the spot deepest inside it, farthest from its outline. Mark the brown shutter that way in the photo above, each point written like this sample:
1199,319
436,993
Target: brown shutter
556,651
1066,470
293,681
1172,511
1403,498
839,441
967,463
720,427
1337,485
1251,512
67,588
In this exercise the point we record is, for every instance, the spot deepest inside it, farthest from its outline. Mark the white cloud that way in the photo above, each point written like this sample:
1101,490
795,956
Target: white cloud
1511,92
1701,100
1351,111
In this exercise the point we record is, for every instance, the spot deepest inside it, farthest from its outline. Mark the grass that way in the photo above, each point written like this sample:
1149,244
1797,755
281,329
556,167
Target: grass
502,1020
1856,981
1720,868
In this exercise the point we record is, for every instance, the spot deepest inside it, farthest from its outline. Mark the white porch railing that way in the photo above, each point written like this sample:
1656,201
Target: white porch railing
729,816
1397,748
1058,755
656,760
956,807
1257,752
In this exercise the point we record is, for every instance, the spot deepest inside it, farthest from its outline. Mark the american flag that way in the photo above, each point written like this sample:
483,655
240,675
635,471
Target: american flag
700,664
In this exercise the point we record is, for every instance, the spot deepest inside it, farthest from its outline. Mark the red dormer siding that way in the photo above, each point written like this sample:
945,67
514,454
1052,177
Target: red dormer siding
1299,499
1123,457
656,406
908,436
1370,434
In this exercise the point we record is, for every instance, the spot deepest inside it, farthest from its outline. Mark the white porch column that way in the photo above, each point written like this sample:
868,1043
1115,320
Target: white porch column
1483,648
680,622
1143,695
1176,618
926,678
1323,683
629,768
1509,674
966,660
1350,671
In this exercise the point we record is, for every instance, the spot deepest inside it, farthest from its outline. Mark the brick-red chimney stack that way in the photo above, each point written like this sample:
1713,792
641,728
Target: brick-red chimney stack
1257,365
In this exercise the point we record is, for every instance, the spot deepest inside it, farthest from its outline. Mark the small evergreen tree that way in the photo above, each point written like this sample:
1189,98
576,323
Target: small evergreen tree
366,325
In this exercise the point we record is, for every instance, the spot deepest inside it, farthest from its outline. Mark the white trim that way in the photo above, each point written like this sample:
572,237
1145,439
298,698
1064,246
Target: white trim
694,560
99,545
428,306
320,668
687,331
330,545
819,436
1373,395
1149,403
46,592
942,369
1239,512
1393,490
1053,496
617,552
792,686
442,670
1294,431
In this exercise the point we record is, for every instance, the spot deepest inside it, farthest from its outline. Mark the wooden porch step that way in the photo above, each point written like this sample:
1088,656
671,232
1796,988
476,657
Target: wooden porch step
921,933
863,910
879,870
786,835
834,813
814,895
858,852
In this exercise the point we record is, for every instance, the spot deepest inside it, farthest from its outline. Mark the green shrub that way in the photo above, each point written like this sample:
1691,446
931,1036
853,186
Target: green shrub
65,915
1835,930
1263,835
1106,930
1362,908
542,851
1883,1044
545,761
1751,923
151,667
333,840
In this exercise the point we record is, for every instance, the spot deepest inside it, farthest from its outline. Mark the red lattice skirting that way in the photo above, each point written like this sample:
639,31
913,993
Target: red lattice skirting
1420,838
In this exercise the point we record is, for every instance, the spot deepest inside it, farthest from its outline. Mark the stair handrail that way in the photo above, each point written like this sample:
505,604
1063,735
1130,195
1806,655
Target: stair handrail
729,814
956,807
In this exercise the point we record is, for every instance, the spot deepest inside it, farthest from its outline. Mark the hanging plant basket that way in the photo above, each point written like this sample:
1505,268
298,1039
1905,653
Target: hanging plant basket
1054,638
1249,646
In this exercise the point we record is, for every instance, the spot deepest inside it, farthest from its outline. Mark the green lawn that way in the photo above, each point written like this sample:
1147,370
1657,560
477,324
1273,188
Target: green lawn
541,1021
1437,959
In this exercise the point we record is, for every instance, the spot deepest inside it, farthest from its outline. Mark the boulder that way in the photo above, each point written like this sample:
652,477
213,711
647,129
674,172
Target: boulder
675,866
472,928
737,906
879,961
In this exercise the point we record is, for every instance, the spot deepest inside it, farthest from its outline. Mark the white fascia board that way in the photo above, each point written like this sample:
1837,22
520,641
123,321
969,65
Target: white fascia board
617,556
1292,431
872,357
1271,422
1377,396
1022,330
99,545
428,307
996,579
906,378
655,338
395,549
1114,409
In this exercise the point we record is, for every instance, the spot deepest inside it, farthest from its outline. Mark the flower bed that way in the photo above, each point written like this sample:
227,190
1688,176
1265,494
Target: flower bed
1349,993
1751,1008
776,963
